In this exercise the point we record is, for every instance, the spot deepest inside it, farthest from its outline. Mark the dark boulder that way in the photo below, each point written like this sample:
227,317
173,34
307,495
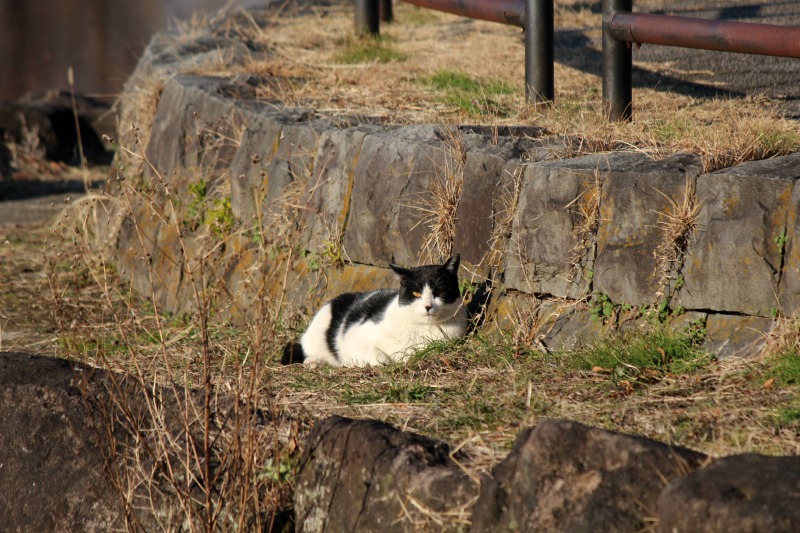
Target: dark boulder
743,493
365,475
564,476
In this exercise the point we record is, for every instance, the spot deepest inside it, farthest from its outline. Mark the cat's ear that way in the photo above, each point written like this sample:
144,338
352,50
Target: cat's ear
451,264
400,271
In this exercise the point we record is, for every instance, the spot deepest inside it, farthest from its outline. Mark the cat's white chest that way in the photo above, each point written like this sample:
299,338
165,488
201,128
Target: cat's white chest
402,330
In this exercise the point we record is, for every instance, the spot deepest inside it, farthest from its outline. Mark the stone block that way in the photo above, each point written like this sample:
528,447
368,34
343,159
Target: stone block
639,195
277,148
489,184
552,248
733,264
566,325
326,200
194,130
789,286
391,196
737,335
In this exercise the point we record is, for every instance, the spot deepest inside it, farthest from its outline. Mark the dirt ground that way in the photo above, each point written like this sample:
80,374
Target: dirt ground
30,212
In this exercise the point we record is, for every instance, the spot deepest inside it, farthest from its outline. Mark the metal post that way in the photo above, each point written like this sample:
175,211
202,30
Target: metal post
387,13
539,85
617,66
367,21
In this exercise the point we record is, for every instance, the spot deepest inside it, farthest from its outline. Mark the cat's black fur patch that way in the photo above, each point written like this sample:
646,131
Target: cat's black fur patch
293,354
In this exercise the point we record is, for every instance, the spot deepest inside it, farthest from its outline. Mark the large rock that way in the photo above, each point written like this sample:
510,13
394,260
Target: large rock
364,475
84,449
743,493
564,476
52,474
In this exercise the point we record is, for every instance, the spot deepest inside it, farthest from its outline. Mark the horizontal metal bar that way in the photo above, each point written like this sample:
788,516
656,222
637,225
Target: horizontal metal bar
707,34
510,12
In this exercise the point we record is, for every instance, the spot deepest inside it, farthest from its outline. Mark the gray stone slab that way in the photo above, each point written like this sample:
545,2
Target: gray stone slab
547,255
638,197
193,129
736,335
734,263
488,190
789,286
391,195
326,200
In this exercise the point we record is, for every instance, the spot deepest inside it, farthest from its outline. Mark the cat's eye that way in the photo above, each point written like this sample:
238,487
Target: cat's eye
416,294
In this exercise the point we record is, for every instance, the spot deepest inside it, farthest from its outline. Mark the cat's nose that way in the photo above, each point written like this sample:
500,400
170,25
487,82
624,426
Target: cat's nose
428,308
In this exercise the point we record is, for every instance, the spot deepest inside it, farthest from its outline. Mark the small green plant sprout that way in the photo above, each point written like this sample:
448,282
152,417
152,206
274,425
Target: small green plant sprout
780,242
466,288
280,469
220,218
332,252
601,308
696,331
196,207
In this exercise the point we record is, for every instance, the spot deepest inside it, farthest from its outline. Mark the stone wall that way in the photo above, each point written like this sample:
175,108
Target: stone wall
572,245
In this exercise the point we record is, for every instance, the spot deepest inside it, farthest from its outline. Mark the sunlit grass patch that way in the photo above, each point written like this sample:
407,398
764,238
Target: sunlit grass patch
468,95
367,49
643,357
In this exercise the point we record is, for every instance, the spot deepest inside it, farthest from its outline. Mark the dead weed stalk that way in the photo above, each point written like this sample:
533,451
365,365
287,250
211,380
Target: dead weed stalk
679,223
191,436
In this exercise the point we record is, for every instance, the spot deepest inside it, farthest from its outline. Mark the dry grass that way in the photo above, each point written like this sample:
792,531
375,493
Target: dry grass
304,67
438,204
302,49
476,393
678,226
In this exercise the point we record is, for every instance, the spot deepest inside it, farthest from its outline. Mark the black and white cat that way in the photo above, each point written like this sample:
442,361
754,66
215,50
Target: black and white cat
376,327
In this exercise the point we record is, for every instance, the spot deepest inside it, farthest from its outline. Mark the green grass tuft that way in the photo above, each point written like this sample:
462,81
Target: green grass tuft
786,368
644,357
367,49
468,95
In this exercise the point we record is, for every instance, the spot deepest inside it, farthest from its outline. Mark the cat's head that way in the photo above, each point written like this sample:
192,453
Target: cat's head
430,290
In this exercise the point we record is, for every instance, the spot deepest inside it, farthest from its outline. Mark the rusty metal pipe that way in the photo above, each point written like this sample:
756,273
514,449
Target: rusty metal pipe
707,34
510,12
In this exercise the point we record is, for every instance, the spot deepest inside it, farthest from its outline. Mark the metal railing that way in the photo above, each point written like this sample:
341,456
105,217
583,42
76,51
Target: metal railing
621,30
